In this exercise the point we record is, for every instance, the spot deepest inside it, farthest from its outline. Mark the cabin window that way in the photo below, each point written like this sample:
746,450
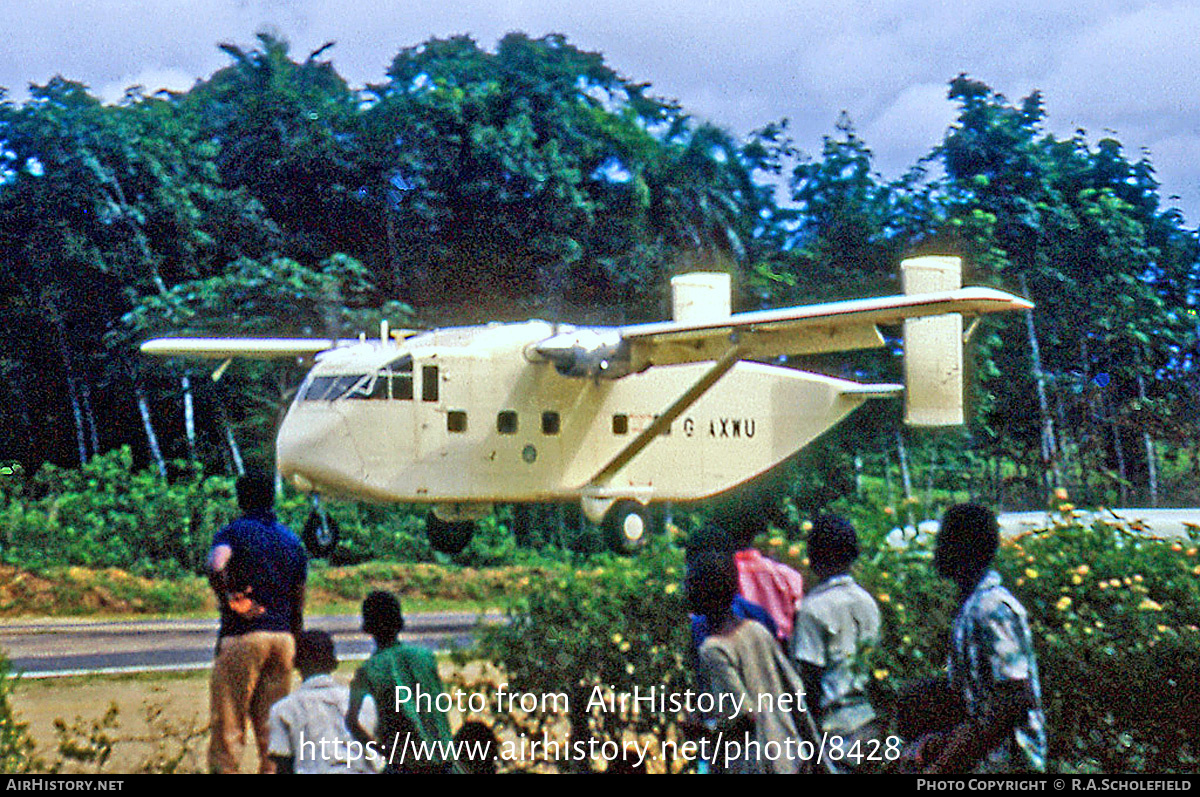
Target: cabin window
456,421
620,423
506,422
551,423
429,383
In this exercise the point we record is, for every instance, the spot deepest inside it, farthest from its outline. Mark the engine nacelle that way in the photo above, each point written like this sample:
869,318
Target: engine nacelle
586,353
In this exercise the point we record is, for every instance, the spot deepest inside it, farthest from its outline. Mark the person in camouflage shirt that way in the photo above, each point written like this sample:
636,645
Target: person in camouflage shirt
992,665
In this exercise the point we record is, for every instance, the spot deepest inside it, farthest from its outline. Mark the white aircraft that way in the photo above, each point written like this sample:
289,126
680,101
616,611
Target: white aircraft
615,418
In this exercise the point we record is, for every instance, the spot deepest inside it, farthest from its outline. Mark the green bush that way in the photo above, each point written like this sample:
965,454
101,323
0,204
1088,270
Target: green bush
106,514
613,623
16,748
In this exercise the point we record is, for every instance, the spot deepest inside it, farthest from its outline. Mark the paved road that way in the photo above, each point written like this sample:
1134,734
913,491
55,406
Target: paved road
1166,523
75,647
1170,523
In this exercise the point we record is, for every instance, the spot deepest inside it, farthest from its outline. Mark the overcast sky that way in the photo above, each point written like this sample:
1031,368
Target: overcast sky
1129,68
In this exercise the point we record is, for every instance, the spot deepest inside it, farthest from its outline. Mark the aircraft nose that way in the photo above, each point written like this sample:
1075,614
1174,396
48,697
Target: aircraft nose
316,453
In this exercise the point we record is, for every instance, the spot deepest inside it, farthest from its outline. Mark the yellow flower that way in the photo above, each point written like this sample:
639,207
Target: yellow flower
1083,570
1138,579
1162,629
671,589
775,542
806,526
889,511
1063,603
1148,605
1076,579
624,647
616,639
1031,573
880,674
629,668
1065,507
1061,494
884,597
1196,570
794,551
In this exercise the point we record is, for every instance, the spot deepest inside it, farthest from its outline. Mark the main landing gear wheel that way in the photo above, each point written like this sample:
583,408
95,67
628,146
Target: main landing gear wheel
321,533
448,537
626,527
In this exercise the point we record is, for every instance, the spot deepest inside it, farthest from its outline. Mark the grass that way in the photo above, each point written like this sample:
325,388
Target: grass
115,594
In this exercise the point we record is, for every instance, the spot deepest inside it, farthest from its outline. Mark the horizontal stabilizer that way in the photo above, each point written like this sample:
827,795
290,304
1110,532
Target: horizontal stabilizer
884,390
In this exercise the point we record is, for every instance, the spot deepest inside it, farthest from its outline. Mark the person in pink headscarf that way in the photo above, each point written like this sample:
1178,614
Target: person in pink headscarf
772,585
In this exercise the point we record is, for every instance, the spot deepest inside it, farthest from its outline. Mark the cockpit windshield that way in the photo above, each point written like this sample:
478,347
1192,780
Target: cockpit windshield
392,381
328,388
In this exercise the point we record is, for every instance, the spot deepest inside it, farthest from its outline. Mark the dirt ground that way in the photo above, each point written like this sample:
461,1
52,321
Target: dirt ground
159,719
160,724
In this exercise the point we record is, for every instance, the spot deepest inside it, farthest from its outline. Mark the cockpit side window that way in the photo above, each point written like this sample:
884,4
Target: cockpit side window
401,375
394,380
373,387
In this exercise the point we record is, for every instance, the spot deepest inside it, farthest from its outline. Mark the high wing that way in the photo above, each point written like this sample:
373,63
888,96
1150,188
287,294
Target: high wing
302,349
250,348
810,329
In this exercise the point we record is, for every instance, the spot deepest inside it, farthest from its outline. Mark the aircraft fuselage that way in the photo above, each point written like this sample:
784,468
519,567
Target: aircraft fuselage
470,416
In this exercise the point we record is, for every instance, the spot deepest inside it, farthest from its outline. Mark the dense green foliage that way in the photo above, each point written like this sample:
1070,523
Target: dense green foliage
536,180
110,513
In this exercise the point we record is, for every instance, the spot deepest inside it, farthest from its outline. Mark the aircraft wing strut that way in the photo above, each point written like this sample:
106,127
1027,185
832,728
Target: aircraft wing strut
664,420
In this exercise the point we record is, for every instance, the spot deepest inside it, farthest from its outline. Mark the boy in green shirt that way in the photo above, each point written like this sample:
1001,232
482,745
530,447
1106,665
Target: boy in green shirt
402,681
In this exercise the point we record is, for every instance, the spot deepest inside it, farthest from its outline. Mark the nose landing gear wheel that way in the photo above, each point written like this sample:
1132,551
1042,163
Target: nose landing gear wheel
321,532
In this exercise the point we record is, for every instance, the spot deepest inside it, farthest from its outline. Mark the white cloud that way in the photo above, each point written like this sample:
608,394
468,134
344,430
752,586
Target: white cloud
911,126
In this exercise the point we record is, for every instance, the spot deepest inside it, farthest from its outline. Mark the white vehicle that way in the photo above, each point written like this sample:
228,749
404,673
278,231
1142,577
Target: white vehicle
615,418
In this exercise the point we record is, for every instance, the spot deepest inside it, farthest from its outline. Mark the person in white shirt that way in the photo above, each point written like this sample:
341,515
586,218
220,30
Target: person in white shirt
308,733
